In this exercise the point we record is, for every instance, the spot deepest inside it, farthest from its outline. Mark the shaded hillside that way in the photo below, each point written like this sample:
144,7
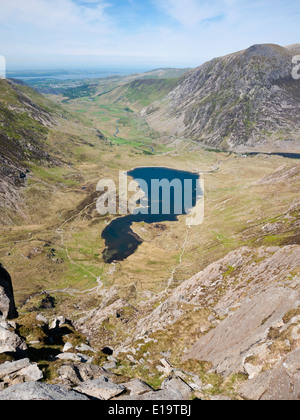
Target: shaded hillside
27,121
241,101
24,126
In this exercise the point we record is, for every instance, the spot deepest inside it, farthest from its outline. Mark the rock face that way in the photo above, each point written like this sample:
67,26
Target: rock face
225,284
282,383
242,101
236,338
7,302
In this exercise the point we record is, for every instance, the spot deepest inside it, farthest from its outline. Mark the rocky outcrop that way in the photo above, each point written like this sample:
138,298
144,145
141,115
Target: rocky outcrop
77,376
10,341
7,302
241,316
245,332
279,384
224,285
12,373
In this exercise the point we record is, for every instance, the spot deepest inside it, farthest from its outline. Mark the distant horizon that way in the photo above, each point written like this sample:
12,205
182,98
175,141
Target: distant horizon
61,75
113,69
48,34
108,69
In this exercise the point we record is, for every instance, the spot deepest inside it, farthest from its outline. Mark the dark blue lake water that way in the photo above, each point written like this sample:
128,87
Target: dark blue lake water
120,240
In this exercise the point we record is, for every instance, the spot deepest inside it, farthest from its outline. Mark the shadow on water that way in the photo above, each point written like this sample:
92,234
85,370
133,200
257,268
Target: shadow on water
120,240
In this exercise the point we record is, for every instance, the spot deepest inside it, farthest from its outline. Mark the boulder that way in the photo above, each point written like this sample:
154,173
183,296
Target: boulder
12,367
101,388
20,371
166,369
59,322
7,302
10,342
72,357
110,366
67,347
174,382
41,318
163,395
137,387
36,391
75,374
85,348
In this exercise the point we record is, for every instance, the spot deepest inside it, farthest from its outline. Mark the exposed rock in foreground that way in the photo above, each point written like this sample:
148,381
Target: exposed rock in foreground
7,302
248,328
245,309
35,391
281,383
10,342
19,371
76,375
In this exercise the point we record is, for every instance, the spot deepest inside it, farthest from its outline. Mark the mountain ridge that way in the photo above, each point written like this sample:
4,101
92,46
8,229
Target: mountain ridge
243,101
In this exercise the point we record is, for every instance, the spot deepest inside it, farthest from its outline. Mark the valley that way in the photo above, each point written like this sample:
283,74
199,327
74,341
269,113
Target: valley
182,284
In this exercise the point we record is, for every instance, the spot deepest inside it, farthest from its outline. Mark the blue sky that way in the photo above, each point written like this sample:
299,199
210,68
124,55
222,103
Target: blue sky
139,33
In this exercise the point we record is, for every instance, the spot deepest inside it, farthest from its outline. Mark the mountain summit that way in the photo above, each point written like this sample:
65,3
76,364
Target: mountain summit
243,101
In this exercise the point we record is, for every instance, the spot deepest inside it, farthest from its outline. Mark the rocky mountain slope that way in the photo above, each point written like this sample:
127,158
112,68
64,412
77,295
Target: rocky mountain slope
294,48
24,125
233,328
71,370
37,137
244,307
210,312
243,101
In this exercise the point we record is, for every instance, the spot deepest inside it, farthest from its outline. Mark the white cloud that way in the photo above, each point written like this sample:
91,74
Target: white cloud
187,32
52,26
192,12
52,14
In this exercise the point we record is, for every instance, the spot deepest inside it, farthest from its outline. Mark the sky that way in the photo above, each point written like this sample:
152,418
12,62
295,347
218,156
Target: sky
61,34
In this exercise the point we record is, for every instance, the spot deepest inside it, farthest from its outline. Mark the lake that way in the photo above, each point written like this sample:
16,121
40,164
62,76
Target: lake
120,240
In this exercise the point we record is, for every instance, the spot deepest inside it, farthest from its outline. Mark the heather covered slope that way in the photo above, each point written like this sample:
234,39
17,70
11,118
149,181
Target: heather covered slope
243,101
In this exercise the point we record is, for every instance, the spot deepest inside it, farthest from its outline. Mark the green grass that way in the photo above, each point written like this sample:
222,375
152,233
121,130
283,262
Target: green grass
55,175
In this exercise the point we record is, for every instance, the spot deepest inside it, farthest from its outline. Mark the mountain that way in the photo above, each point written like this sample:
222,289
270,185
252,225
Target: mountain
24,125
294,48
210,311
243,101
38,138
